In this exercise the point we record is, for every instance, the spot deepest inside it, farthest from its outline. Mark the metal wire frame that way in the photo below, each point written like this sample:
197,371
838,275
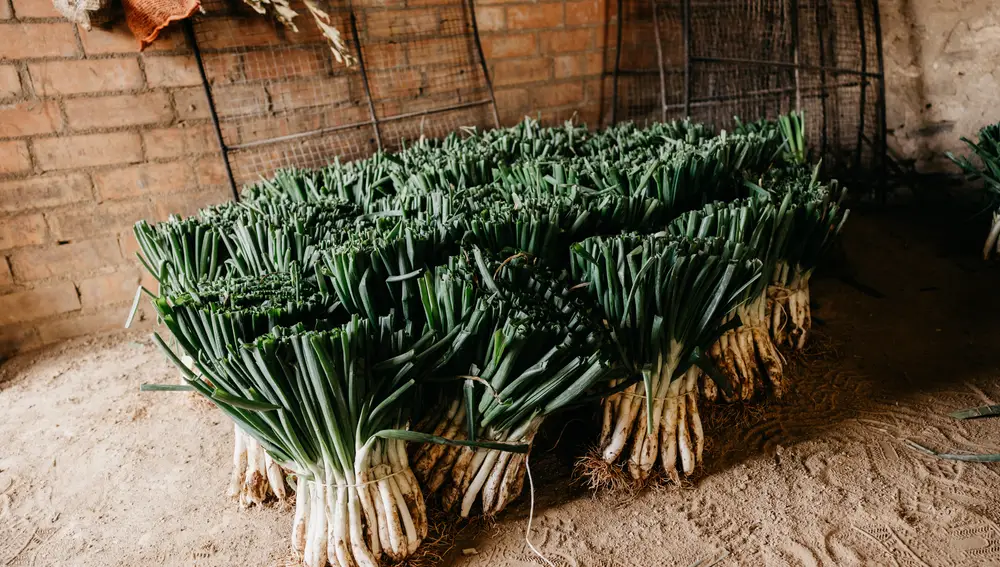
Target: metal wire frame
799,61
279,143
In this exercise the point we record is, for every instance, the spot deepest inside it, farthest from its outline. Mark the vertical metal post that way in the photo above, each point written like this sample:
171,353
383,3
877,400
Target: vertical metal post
794,22
883,134
364,79
482,61
659,59
864,81
821,8
686,22
189,32
618,62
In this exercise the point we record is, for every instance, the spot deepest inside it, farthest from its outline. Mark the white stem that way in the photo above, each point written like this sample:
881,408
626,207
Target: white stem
683,435
239,462
993,238
630,405
300,523
316,538
275,477
694,416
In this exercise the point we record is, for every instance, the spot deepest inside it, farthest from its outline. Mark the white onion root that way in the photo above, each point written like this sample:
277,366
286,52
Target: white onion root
357,518
676,439
466,476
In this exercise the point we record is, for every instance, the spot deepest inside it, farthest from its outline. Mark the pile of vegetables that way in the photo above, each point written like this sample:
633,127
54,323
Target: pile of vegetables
436,305
987,150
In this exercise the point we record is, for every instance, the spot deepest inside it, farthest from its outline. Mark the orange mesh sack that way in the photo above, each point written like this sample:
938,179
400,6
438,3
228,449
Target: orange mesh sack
147,17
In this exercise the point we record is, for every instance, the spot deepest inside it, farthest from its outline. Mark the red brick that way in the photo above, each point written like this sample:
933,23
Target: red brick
521,71
560,94
210,171
65,259
588,12
535,16
509,45
118,111
513,104
223,68
454,81
389,85
43,191
10,82
387,24
267,127
35,9
29,118
307,94
117,287
284,64
191,103
569,66
486,2
6,278
564,41
490,18
25,41
104,321
172,71
69,152
385,55
37,303
22,230
86,222
14,157
145,179
53,78
440,51
179,141
228,33
18,338
128,245
117,39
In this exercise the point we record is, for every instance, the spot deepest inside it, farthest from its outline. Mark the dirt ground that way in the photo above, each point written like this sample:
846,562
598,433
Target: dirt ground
94,473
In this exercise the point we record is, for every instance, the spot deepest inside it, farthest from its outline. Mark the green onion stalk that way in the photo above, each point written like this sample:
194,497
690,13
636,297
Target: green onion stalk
810,216
207,321
664,300
987,149
745,354
540,351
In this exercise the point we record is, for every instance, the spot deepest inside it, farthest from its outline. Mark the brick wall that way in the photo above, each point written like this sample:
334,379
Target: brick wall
94,136
548,57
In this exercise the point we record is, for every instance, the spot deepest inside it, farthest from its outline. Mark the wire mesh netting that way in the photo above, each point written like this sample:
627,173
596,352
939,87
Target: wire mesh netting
821,56
283,100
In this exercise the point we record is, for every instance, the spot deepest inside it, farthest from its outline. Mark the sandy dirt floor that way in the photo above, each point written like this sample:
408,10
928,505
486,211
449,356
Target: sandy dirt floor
94,473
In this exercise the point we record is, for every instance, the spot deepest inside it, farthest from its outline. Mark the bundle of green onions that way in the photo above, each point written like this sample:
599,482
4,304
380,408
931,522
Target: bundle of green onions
810,216
664,300
208,321
540,350
987,149
330,406
745,354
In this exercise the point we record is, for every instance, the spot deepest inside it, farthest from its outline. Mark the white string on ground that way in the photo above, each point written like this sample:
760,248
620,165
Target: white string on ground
531,513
